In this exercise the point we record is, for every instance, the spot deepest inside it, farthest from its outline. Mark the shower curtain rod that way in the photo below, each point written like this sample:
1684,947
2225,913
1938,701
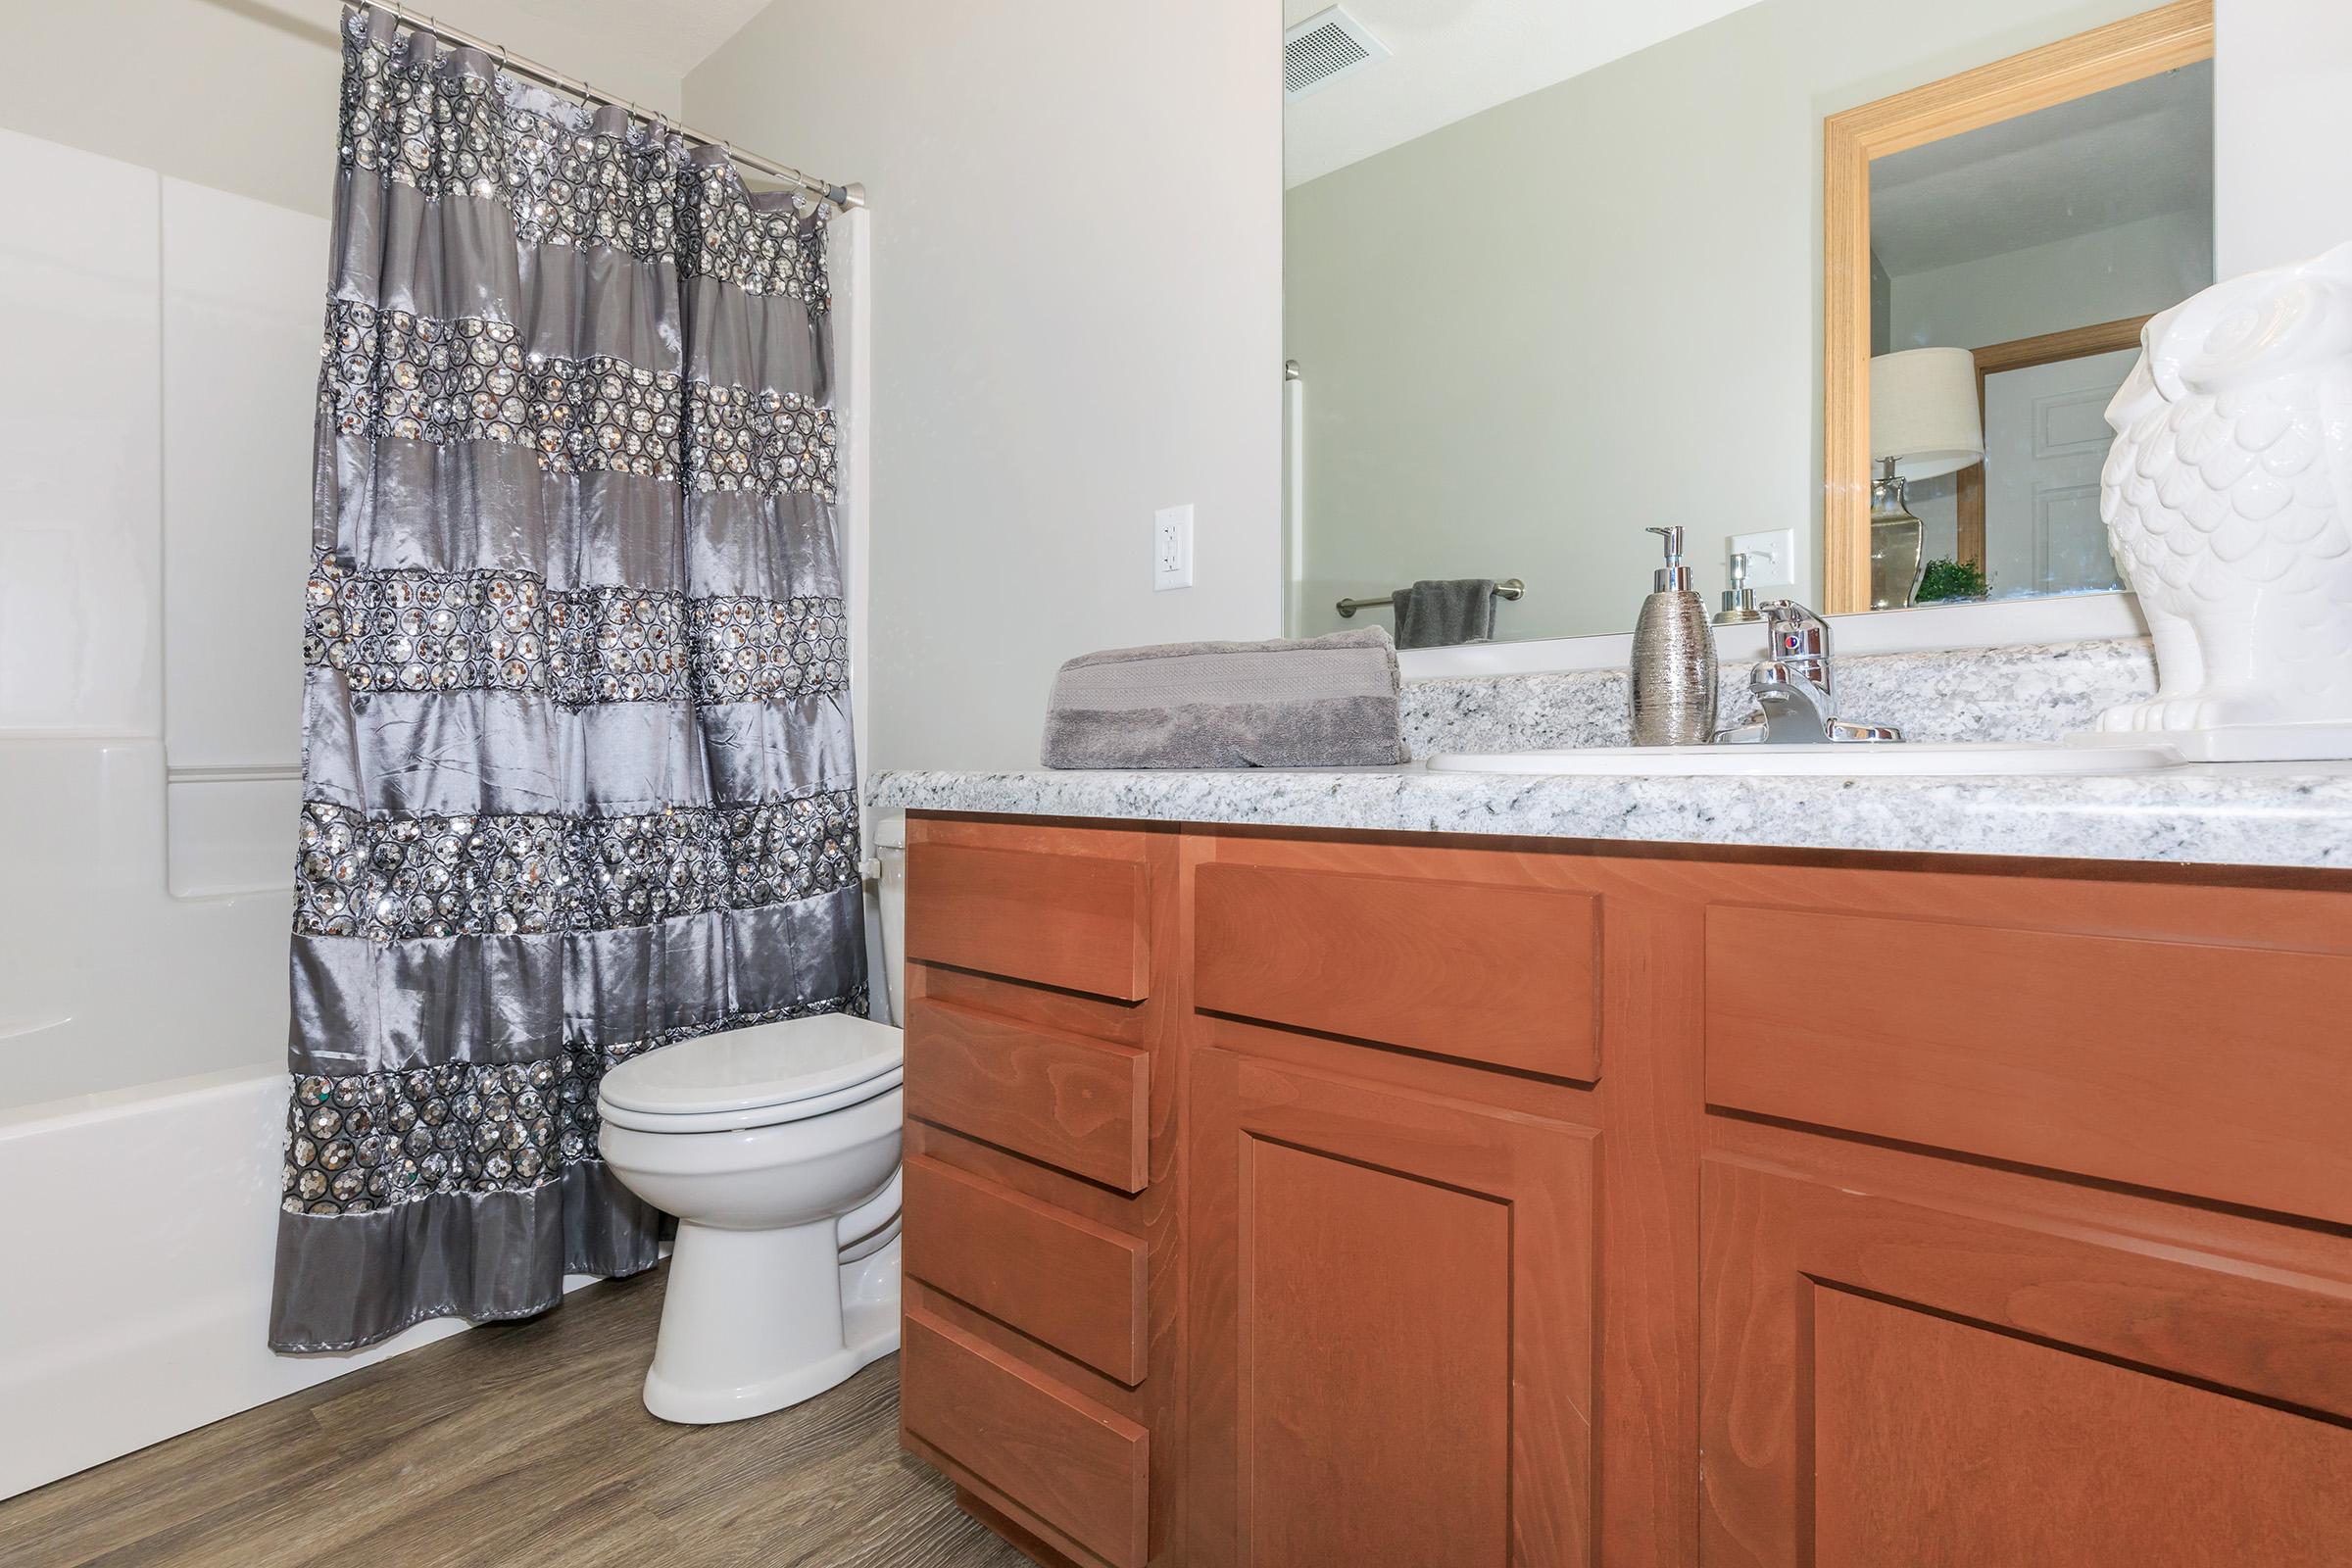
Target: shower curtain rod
843,197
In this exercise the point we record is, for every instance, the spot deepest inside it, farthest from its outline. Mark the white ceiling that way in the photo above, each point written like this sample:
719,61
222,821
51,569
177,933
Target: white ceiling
2128,153
1452,57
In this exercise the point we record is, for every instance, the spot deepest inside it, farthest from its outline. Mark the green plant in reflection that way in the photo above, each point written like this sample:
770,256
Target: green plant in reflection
1951,579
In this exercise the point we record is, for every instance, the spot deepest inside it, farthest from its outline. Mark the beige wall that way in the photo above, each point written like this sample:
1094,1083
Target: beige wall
2283,121
239,94
1077,237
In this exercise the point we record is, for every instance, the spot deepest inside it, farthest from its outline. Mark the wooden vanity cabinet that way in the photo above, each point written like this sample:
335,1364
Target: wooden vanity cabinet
1287,1199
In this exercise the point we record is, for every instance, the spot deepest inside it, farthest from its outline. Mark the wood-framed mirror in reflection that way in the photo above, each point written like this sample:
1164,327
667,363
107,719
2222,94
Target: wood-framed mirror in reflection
2033,211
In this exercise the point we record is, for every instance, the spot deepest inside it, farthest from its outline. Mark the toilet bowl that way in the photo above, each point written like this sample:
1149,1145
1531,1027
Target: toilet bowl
777,1148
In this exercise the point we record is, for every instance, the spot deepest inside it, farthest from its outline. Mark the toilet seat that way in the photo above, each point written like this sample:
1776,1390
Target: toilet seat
762,1076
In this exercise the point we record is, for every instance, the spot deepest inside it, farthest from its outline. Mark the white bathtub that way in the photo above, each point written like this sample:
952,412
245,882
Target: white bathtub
140,1228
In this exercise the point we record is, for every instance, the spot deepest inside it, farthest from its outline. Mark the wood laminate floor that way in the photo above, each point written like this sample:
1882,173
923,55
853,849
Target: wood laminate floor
515,1445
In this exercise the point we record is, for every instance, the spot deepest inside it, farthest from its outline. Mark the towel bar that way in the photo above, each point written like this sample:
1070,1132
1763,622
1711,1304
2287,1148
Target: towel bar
1509,588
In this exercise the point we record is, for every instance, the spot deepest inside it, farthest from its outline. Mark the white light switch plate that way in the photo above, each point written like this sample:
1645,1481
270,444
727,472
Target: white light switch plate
1771,559
1172,548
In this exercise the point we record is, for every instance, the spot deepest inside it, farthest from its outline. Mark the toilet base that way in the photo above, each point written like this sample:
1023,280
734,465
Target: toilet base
737,1340
869,1303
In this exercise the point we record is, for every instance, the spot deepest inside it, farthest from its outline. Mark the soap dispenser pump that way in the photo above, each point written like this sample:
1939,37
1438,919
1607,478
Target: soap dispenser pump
1674,657
1738,600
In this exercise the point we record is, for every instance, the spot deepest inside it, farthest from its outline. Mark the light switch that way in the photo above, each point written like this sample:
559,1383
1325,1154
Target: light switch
1771,561
1172,548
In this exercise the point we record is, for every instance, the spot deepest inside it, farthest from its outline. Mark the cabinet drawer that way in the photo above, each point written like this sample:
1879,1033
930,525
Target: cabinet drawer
1081,922
1078,1466
2215,1072
1063,1281
1077,1104
1485,972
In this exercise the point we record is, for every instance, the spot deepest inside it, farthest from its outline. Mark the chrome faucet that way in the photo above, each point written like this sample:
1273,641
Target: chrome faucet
1794,687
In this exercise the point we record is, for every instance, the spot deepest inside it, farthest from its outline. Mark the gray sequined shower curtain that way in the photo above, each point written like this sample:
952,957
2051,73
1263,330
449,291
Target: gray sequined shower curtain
577,777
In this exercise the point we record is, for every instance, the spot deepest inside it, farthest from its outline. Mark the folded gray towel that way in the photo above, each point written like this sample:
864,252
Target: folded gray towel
1440,614
1324,702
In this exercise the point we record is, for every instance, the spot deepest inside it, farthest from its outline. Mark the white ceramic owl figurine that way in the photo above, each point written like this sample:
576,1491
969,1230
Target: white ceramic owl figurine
2227,498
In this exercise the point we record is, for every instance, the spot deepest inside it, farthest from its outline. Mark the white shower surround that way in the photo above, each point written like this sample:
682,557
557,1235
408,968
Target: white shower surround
149,769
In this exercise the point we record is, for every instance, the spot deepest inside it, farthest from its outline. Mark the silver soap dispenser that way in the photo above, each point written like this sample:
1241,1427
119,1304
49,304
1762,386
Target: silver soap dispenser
1674,657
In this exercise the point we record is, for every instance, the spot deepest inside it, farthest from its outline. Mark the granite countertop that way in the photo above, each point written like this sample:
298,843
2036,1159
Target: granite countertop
2271,814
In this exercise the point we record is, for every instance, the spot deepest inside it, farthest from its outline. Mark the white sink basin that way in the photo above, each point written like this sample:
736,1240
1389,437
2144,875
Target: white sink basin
1922,759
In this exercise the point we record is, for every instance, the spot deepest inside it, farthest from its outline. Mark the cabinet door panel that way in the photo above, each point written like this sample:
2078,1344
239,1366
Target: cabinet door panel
1393,1324
1933,1380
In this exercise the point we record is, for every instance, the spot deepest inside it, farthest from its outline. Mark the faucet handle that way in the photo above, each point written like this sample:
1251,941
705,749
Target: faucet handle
1791,686
1792,633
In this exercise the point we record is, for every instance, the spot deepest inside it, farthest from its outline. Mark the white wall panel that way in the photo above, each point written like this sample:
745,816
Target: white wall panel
78,421
109,976
2283,120
242,301
231,836
107,979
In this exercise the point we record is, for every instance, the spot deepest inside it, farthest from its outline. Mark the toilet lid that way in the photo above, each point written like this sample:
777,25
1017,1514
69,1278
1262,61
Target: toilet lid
766,1065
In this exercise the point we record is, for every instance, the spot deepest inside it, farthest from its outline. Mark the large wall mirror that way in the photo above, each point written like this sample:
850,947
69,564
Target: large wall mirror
1841,287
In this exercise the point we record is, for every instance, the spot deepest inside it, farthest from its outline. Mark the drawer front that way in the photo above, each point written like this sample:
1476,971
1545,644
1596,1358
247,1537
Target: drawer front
1078,1105
1080,923
2222,1072
1508,976
1077,1465
1063,1281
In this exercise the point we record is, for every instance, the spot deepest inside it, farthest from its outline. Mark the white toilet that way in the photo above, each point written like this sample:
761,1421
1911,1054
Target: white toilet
777,1148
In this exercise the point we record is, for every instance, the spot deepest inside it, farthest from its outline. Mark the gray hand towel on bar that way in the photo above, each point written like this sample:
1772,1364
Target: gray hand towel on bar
1437,614
1324,702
